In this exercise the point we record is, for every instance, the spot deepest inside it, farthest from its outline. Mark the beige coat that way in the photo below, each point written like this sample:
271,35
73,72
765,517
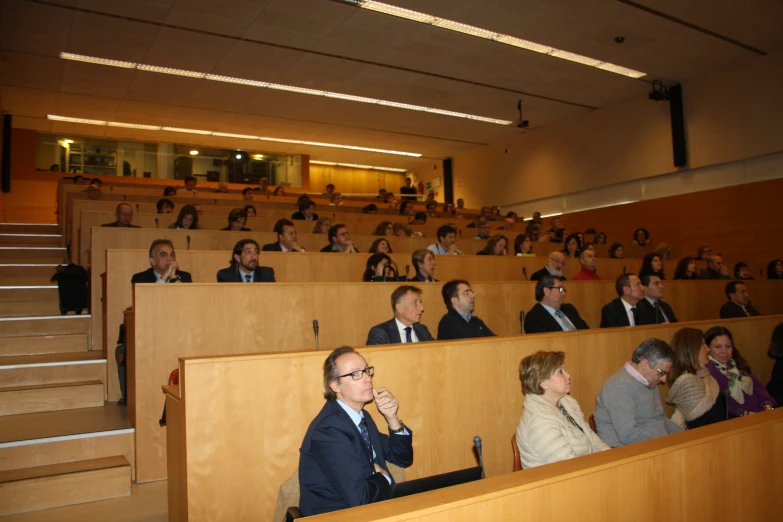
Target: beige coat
545,435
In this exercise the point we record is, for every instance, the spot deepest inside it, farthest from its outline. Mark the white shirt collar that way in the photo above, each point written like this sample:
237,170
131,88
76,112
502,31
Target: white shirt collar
401,327
356,416
244,275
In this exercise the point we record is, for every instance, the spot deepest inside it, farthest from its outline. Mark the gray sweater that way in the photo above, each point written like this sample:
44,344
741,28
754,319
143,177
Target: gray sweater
627,411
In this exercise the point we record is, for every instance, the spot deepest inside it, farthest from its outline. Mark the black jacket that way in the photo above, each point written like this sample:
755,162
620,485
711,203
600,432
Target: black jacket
262,274
243,229
116,225
708,273
328,248
647,312
148,276
538,320
614,314
387,333
544,272
272,247
299,215
731,310
454,326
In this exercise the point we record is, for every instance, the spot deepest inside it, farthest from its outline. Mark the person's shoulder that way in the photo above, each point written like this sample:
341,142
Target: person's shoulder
327,248
185,277
270,247
109,225
143,276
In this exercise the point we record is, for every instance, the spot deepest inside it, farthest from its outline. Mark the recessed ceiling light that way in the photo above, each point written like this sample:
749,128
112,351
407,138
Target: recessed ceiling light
486,34
194,153
68,141
280,87
238,156
258,156
55,117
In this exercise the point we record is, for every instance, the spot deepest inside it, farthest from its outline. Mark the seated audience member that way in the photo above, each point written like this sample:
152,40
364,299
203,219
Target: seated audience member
652,309
622,311
190,184
163,266
424,264
447,238
628,407
343,457
187,219
775,385
552,427
588,246
79,180
329,190
523,246
432,209
460,203
169,191
250,211
263,185
508,224
247,194
588,261
279,191
738,304
555,224
616,251
384,228
599,238
340,240
97,182
420,218
382,195
513,215
222,188
641,237
236,220
406,208
482,229
733,373
459,321
336,199
401,230
559,235
381,246
495,246
742,271
405,327
93,191
572,246
379,268
322,226
537,219
693,392
199,209
703,253
554,267
535,234
448,210
775,269
686,269
306,210
715,269
664,251
551,314
286,238
165,206
124,215
495,213
244,266
652,265
409,190
372,208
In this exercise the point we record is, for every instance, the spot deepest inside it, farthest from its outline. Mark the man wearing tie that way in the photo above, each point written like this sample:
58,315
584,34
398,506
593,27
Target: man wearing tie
652,309
286,238
622,311
551,314
404,327
343,458
739,302
244,266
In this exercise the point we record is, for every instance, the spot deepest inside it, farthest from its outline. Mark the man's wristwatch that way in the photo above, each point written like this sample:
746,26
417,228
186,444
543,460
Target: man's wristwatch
398,430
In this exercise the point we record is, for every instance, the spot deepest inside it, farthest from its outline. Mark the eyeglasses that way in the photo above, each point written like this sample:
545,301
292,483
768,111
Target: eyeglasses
662,373
560,289
357,375
468,292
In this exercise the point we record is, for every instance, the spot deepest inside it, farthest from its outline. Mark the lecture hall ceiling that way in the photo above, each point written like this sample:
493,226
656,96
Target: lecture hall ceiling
329,45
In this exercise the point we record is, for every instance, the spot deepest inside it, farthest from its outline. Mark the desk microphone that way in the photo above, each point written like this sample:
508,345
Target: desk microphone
137,207
188,239
524,273
315,329
156,222
522,321
623,269
407,269
477,445
725,394
761,273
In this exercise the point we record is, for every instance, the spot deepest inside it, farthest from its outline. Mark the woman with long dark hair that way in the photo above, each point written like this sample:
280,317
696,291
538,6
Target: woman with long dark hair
686,269
187,219
523,245
775,269
381,246
652,265
572,246
616,251
379,267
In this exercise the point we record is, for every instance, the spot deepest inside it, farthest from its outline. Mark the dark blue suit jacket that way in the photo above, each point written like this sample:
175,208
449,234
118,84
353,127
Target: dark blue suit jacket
335,469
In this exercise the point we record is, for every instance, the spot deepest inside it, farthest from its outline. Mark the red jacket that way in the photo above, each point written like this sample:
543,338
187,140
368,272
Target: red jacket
585,274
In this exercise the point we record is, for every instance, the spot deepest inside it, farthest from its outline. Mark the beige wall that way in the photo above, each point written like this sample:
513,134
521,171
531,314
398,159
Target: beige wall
731,114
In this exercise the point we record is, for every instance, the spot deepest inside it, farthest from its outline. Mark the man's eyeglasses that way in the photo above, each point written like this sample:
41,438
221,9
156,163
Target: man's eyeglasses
560,289
357,375
662,373
468,292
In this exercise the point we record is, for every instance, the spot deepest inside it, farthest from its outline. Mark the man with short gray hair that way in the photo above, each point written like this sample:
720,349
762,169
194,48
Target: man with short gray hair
628,408
554,267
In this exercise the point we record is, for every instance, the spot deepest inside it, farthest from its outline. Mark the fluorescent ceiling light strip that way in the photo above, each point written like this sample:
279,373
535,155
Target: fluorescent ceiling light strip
69,119
133,125
479,32
370,167
278,87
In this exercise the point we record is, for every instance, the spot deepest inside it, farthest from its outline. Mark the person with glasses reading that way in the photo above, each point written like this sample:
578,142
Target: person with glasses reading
404,327
459,322
551,314
244,266
344,458
628,407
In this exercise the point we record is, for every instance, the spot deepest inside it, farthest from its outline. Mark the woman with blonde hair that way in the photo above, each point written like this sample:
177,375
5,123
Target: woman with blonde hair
424,263
322,226
552,427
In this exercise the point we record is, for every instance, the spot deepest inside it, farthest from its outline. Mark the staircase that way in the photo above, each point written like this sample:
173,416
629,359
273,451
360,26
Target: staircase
60,442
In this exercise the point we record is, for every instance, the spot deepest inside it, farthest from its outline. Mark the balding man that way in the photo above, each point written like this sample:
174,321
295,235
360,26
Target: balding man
588,262
124,215
622,311
715,269
554,267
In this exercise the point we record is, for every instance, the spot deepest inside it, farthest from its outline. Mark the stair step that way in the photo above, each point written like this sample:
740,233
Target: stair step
26,274
30,301
33,254
19,239
18,400
55,485
33,370
44,325
43,344
29,228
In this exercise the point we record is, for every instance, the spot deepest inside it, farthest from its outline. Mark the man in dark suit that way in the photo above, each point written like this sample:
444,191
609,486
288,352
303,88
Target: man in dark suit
459,322
404,327
306,210
343,457
124,215
163,269
652,308
739,302
551,314
286,238
622,311
554,267
244,266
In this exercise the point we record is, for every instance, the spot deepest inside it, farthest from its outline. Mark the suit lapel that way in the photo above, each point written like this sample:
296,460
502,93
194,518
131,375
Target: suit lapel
623,315
393,332
553,324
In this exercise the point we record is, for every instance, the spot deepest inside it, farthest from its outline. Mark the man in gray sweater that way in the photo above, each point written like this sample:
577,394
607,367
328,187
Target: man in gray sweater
628,408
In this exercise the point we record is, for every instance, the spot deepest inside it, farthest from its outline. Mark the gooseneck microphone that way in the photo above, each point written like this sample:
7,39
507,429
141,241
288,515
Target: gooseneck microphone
137,207
156,222
315,329
188,239
623,269
407,269
522,321
524,273
725,394
477,445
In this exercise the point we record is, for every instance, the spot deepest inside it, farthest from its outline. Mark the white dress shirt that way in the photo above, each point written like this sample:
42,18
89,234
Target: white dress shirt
628,311
401,327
